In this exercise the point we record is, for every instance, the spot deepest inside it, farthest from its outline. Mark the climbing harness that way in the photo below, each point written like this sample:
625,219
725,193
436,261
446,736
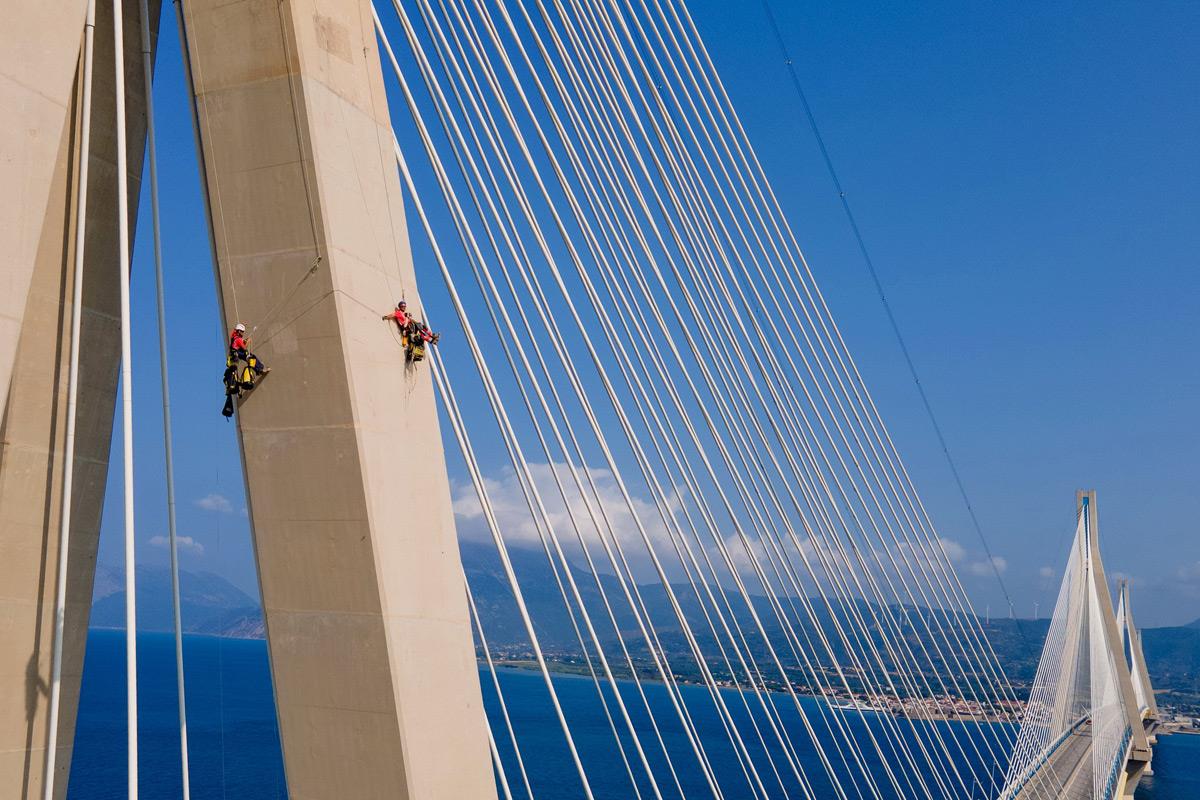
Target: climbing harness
242,370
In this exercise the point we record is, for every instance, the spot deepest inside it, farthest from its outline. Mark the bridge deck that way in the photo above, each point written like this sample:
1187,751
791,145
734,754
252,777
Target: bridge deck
1067,774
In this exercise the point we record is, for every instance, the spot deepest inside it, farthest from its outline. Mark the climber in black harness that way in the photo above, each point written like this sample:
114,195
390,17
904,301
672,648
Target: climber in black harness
419,337
242,368
415,335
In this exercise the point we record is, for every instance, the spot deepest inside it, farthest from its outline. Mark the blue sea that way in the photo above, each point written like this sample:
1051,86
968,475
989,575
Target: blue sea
234,742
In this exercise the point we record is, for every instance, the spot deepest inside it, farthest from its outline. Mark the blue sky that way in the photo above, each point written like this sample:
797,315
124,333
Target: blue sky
1027,183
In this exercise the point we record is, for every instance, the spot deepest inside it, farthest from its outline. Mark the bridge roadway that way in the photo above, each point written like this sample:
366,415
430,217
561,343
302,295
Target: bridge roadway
1066,774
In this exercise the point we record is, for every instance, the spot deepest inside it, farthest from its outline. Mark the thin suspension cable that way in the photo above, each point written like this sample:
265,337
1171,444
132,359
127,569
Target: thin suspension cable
537,508
123,266
168,445
512,734
468,454
901,551
1046,716
499,765
844,359
635,308
621,567
628,502
717,185
887,306
483,275
575,260
635,351
64,531
989,665
693,213
711,228
198,143
534,342
451,406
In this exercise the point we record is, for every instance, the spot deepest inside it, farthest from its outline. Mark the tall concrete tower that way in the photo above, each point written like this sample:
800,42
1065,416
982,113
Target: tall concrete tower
39,161
371,651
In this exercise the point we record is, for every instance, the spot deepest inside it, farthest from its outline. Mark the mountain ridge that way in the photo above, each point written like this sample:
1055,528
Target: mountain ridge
212,605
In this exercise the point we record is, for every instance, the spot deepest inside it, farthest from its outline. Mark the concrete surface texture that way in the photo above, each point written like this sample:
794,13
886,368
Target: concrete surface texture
371,651
39,47
39,60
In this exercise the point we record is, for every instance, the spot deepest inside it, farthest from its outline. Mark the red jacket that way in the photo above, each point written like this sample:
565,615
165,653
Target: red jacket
401,318
236,341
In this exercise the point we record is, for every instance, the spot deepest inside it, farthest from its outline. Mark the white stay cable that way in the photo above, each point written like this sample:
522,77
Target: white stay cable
583,332
711,229
532,493
1041,723
687,160
717,183
468,453
483,276
635,310
568,62
64,531
698,184
621,568
628,500
499,765
477,476
123,265
744,436
528,370
568,424
168,446
512,734
843,357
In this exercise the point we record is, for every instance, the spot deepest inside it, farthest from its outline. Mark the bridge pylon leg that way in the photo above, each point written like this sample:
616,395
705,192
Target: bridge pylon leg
1139,746
375,677
40,91
40,48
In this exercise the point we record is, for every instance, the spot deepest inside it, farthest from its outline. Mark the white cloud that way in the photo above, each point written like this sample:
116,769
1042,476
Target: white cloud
215,502
517,522
985,567
519,529
1188,572
954,551
1047,572
923,556
184,542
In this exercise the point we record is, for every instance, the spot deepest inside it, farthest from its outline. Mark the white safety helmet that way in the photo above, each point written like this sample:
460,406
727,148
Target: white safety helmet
240,327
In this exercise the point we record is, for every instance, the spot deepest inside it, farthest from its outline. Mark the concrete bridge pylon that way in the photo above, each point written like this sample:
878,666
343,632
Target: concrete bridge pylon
40,91
1082,730
371,650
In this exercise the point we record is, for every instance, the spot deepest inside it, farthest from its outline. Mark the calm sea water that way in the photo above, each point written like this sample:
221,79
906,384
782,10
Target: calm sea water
234,742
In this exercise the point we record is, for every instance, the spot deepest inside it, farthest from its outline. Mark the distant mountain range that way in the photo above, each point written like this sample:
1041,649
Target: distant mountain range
212,605
209,604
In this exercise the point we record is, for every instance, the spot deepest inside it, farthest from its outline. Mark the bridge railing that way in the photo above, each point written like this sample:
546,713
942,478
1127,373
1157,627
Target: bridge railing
1035,765
1118,765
